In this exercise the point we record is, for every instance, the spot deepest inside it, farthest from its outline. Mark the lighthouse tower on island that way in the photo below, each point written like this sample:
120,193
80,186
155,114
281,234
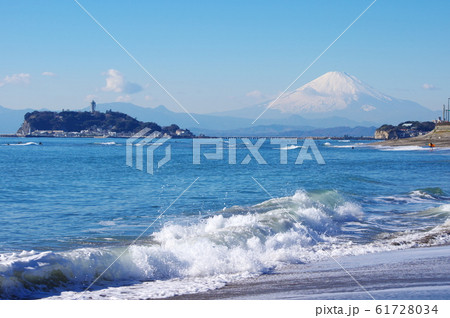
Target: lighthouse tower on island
93,105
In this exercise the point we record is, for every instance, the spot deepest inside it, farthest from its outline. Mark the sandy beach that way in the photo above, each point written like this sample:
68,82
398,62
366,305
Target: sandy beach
440,137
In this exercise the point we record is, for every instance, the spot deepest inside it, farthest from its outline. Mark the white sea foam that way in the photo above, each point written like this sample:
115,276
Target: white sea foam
107,143
235,244
421,194
195,284
346,146
24,144
107,223
143,144
401,148
291,147
409,148
415,196
439,235
358,144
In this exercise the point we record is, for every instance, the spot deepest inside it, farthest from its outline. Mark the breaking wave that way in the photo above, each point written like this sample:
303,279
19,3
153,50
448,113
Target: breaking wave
24,144
107,143
235,243
410,148
291,147
417,196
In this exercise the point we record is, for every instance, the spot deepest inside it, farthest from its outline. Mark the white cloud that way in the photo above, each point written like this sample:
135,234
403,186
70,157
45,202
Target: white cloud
90,97
115,82
126,98
429,87
21,78
255,94
48,74
368,108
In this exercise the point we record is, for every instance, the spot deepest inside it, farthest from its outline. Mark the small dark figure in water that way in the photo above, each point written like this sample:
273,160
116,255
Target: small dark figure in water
40,143
353,147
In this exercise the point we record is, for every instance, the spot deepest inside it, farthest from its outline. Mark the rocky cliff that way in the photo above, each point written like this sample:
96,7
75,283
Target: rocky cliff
404,130
386,133
440,137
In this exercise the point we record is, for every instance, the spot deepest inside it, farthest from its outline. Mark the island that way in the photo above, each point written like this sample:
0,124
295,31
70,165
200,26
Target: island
92,124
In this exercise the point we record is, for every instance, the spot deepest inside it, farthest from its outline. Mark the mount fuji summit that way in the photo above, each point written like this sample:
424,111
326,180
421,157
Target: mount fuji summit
341,96
332,91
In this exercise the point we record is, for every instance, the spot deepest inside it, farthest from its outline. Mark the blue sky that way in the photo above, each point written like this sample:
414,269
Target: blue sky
217,55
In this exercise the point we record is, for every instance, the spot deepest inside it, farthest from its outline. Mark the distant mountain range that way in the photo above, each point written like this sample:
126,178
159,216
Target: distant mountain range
334,100
339,96
11,119
290,131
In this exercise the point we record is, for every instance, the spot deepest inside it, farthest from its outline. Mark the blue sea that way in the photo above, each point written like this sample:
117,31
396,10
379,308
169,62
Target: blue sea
77,222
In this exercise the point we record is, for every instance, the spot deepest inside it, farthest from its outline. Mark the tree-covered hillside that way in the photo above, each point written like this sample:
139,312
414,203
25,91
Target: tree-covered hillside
75,121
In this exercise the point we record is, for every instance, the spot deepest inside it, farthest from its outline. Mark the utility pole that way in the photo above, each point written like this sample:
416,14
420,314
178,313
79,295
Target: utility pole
448,109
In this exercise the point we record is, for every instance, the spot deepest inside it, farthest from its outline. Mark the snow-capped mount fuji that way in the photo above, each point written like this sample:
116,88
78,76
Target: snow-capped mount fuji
343,95
339,96
329,92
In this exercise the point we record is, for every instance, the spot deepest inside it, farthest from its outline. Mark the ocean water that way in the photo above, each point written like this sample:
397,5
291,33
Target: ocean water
70,207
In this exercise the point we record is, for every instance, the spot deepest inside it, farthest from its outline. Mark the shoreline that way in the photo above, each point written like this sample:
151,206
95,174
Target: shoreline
440,137
416,273
413,142
198,137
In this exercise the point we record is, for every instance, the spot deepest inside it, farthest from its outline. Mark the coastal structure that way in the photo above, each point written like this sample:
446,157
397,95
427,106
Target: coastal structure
446,112
406,129
417,133
439,137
